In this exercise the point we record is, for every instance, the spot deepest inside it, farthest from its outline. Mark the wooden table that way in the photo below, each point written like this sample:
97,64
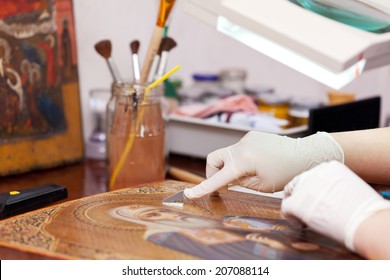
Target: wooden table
84,179
88,177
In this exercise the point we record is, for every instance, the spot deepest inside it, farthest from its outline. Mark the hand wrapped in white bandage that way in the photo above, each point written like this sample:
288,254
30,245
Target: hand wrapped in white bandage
265,162
331,200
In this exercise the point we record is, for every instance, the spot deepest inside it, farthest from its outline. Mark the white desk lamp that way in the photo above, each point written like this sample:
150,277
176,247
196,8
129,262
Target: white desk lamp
328,51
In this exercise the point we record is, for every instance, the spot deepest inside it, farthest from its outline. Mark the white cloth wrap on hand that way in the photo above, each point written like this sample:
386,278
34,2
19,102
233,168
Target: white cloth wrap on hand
265,162
331,200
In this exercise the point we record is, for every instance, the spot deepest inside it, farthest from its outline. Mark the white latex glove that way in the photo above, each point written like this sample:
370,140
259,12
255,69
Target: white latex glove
265,162
331,200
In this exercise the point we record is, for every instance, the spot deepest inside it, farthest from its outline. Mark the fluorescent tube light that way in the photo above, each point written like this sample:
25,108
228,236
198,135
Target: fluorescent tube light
336,80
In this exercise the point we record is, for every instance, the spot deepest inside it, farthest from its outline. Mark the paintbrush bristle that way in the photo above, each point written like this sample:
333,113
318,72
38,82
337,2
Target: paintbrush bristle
134,46
104,48
168,44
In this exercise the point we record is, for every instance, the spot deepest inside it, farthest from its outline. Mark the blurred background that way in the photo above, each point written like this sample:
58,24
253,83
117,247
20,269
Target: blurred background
200,49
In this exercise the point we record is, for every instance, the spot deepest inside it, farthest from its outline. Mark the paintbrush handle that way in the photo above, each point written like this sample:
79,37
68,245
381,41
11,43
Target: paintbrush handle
162,64
153,69
153,49
136,70
114,70
184,175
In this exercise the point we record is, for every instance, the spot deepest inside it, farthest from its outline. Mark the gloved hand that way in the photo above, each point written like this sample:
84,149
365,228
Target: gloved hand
331,200
265,162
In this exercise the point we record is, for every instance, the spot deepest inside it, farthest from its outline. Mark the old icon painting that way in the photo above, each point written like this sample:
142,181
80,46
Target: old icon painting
40,123
228,237
134,224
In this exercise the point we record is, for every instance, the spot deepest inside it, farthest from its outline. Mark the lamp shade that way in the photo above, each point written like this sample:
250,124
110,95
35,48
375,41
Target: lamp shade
326,50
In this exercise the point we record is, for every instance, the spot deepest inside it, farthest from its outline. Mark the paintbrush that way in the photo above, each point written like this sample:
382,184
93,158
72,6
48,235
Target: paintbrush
163,14
168,44
156,61
134,47
104,48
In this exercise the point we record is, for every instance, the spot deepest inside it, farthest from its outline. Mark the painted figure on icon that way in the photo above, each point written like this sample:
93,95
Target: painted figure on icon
231,237
31,62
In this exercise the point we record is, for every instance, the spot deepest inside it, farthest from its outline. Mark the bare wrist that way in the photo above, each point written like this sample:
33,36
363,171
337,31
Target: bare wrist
372,236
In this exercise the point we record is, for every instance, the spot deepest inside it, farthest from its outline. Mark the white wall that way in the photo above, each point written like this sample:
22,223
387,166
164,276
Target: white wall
200,48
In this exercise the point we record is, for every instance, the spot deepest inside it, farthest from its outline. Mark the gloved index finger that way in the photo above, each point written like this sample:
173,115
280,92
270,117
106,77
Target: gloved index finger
220,179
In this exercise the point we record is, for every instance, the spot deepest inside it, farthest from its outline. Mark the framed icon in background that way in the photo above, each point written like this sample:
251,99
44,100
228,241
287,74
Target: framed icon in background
40,115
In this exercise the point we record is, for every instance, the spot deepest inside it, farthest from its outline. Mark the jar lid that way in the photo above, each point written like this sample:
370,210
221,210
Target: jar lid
257,92
302,102
205,77
299,113
273,99
234,73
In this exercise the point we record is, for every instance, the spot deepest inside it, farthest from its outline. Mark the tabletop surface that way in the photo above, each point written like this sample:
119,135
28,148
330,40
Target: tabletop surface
87,177
84,179
81,179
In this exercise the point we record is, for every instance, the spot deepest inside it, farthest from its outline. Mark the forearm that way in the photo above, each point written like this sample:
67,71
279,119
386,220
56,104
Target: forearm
367,153
372,238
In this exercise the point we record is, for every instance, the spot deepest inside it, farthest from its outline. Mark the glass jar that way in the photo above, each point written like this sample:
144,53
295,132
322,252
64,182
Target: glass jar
275,105
299,111
135,136
205,88
234,79
96,147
